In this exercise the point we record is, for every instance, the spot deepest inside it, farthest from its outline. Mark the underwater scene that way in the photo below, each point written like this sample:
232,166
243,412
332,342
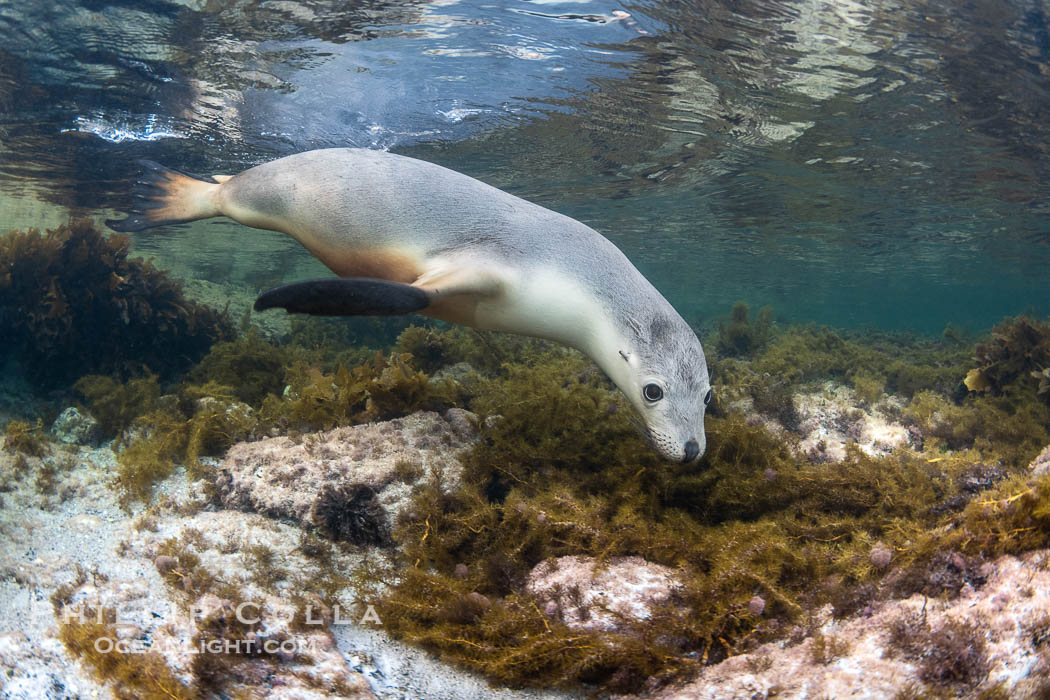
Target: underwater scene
524,350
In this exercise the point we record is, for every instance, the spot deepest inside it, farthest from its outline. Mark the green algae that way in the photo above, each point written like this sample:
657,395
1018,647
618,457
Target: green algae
252,366
826,648
433,348
129,676
1011,518
799,355
1012,427
206,419
1018,351
224,638
213,405
211,422
512,641
46,482
185,575
869,387
85,631
755,521
261,563
232,639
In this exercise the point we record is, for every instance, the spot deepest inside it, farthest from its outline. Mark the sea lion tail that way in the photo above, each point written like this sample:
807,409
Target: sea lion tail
165,196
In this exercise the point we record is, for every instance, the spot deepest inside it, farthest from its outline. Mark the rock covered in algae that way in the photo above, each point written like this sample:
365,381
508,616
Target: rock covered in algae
829,419
194,636
988,642
593,596
463,373
350,482
1041,464
75,427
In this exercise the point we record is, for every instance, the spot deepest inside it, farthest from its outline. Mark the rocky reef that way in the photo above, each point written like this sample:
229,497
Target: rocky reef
359,478
988,642
488,499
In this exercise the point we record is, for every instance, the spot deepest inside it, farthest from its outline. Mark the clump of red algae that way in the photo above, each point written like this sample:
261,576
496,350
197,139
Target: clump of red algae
881,556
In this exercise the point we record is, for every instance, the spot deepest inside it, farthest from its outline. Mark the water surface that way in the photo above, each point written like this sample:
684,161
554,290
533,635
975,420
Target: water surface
863,165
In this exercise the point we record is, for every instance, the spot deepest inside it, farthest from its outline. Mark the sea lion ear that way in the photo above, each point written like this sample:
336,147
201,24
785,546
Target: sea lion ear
639,332
626,356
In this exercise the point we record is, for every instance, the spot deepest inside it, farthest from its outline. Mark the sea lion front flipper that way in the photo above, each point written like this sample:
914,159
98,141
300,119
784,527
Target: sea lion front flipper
345,296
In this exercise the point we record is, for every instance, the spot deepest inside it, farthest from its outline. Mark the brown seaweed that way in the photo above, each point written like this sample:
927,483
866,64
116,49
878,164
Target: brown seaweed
74,303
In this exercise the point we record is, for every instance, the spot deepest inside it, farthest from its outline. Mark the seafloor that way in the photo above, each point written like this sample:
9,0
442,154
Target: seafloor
202,502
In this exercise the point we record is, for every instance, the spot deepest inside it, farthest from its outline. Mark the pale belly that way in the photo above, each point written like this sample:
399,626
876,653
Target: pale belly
543,305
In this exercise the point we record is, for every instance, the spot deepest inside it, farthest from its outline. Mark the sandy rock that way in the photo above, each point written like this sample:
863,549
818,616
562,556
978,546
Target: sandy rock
285,655
37,669
350,482
1010,614
587,596
235,415
275,660
75,427
42,548
1041,464
830,419
463,422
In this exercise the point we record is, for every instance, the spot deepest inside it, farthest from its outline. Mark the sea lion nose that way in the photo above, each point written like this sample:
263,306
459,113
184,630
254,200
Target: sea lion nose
692,449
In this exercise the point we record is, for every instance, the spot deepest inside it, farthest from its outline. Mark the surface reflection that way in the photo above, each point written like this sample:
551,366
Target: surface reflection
807,153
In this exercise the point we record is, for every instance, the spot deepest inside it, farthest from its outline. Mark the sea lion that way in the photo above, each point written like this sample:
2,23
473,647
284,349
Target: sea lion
407,236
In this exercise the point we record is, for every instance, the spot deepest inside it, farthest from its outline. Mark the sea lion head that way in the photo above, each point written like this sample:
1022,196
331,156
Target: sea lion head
668,385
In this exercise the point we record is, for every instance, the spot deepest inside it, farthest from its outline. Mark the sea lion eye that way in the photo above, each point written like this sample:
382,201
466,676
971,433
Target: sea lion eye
652,392
707,397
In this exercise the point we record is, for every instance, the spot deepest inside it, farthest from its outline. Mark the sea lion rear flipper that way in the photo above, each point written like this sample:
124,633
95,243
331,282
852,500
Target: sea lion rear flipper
345,296
166,196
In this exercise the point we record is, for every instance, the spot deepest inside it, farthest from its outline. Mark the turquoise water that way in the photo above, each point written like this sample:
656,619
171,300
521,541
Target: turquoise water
879,165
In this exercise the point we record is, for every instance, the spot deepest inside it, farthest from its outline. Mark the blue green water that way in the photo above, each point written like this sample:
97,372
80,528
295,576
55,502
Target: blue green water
861,165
